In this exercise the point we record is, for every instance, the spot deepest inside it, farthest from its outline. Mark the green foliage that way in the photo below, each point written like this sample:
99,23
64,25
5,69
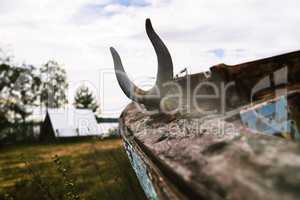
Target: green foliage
85,99
54,85
17,133
70,192
19,86
24,86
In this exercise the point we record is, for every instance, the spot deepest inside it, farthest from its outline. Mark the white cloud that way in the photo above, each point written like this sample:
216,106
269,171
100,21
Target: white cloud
78,33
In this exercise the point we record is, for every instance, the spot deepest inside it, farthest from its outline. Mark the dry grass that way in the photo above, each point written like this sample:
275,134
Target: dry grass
75,170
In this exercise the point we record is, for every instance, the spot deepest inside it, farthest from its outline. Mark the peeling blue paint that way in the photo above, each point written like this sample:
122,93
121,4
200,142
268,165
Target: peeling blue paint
272,118
141,172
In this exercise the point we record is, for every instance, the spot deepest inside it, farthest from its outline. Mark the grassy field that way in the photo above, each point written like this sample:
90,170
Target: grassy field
91,169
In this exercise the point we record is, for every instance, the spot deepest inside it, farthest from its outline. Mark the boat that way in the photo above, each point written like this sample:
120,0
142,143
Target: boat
229,133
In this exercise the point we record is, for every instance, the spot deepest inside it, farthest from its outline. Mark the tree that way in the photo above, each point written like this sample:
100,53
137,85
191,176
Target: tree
25,89
5,71
85,99
19,86
54,85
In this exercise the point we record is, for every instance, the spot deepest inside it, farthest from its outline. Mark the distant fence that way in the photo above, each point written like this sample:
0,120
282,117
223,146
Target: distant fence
107,120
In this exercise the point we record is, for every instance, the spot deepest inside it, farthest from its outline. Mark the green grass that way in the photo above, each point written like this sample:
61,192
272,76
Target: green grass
91,169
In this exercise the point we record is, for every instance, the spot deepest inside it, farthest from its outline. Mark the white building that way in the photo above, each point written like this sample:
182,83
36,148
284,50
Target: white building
69,122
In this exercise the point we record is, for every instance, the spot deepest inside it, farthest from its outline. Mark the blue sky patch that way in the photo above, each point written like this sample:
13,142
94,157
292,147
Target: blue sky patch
89,12
219,53
139,3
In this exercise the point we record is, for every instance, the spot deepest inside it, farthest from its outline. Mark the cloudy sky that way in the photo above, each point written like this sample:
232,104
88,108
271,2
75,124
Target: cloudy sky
198,33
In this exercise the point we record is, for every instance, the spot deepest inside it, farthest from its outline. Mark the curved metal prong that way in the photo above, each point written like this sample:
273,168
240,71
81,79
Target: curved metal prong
164,60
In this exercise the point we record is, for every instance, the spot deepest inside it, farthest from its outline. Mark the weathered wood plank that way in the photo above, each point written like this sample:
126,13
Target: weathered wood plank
203,162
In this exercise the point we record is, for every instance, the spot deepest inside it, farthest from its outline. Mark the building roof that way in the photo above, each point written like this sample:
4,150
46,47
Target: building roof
70,122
